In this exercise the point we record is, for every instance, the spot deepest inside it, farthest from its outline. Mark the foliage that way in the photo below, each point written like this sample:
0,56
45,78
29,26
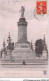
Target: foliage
39,47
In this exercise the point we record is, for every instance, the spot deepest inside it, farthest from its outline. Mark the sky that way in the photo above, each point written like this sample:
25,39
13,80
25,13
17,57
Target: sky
9,16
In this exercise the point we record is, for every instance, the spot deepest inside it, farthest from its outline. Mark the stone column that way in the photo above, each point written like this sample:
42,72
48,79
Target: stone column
22,30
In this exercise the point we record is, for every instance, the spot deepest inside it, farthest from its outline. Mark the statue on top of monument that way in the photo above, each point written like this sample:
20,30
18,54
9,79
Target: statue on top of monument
22,11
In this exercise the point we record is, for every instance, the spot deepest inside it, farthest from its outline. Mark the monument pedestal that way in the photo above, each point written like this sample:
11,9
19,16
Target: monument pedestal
22,52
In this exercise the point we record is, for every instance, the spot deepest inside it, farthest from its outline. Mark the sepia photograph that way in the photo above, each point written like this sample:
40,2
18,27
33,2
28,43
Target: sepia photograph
23,39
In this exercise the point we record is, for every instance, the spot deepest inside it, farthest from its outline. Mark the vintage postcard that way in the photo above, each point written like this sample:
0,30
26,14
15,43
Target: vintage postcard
23,39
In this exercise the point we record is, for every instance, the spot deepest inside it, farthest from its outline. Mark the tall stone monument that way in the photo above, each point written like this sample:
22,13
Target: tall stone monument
23,50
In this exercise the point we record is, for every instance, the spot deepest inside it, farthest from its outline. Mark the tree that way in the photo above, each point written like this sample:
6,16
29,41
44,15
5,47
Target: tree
39,47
